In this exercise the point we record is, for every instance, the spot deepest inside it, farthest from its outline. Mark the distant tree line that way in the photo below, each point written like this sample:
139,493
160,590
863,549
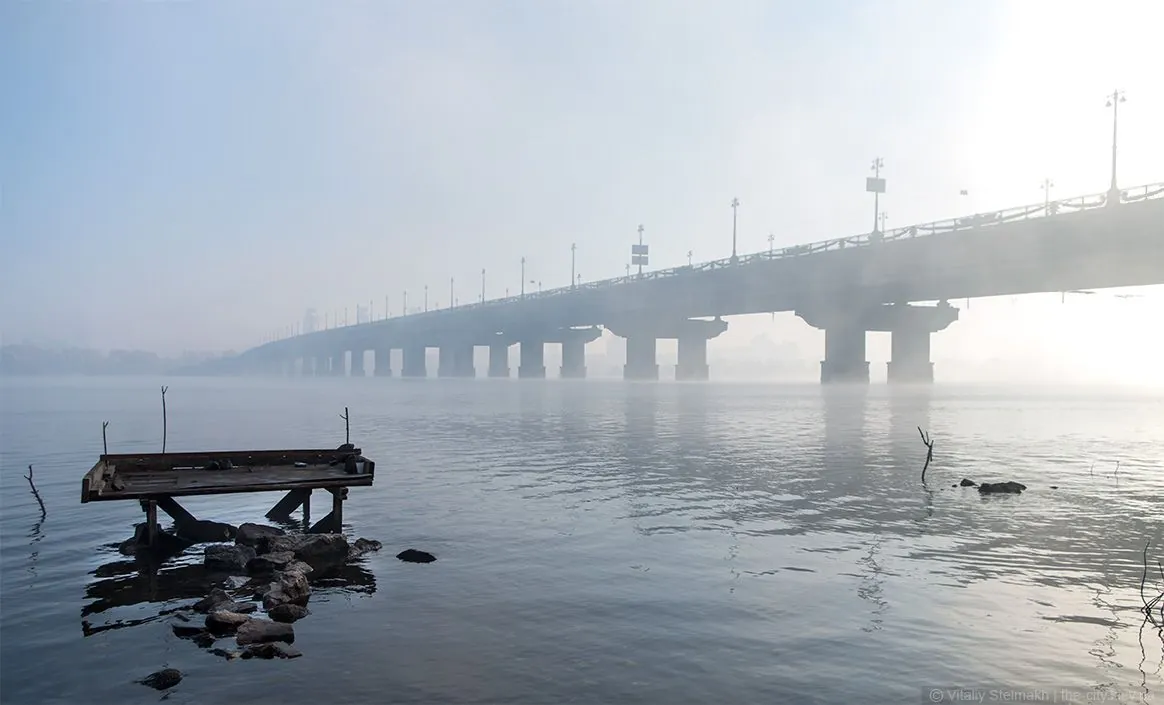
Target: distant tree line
27,360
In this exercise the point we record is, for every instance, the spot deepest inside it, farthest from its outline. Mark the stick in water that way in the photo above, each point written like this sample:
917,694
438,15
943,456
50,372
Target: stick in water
929,451
35,493
164,390
104,442
347,427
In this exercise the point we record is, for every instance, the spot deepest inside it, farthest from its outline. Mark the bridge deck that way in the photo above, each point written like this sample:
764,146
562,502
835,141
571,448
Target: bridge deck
152,475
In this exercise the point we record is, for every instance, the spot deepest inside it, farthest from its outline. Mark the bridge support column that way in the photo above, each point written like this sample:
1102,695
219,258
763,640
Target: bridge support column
338,368
640,358
844,355
692,363
318,366
533,360
383,363
456,360
499,359
413,362
910,361
573,359
358,363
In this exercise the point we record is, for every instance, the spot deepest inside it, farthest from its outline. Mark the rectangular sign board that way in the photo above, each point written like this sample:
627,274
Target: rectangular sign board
639,259
874,185
639,249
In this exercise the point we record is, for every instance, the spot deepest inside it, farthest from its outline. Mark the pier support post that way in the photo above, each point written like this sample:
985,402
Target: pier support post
573,359
692,362
910,357
413,362
318,366
498,359
338,368
640,358
383,363
844,355
456,360
358,363
533,360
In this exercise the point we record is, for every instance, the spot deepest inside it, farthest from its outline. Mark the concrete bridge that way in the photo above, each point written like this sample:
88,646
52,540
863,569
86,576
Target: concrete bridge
846,286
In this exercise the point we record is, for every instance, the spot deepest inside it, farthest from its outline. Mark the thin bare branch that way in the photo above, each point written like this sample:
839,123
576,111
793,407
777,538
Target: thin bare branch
35,493
929,451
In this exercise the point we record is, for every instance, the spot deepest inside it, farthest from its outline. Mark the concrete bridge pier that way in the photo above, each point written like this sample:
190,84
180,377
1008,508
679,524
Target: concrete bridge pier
358,363
640,357
844,355
533,360
693,336
456,360
498,359
383,362
910,326
338,368
413,364
574,342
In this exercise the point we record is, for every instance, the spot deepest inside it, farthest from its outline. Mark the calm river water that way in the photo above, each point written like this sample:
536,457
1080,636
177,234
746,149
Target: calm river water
602,542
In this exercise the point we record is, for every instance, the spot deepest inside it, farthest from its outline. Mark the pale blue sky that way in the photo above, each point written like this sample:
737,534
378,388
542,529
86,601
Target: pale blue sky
182,175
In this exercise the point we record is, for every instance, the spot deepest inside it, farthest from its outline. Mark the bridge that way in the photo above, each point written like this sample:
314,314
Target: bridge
845,286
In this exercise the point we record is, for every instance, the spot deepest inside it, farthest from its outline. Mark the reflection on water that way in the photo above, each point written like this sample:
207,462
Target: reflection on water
635,543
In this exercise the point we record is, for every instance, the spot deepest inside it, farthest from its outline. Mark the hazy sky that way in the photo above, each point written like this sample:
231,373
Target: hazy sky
190,175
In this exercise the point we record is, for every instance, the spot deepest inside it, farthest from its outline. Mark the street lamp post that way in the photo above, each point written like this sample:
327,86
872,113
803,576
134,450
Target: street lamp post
884,217
404,299
482,286
1047,186
690,253
573,248
426,298
1113,102
523,277
876,185
771,240
452,294
735,205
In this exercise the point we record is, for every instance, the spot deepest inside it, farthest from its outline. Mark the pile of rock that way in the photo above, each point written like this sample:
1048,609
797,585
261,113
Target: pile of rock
1009,487
278,565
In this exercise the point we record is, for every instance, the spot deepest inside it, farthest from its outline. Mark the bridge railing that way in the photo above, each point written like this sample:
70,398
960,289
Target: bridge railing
971,222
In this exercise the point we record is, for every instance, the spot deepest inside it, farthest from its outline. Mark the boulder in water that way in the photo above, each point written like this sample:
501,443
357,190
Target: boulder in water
163,679
1009,487
411,555
967,483
250,534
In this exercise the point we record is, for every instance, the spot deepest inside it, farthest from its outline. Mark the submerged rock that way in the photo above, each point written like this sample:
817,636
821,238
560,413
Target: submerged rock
258,631
205,531
272,649
287,613
361,546
221,622
217,596
186,631
251,534
1001,487
269,562
167,544
967,483
163,679
203,639
288,587
411,555
229,558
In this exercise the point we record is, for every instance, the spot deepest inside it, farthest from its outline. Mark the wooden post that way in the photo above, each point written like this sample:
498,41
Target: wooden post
151,523
307,510
337,508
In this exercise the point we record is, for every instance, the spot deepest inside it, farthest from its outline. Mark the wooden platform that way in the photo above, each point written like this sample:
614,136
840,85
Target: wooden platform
155,479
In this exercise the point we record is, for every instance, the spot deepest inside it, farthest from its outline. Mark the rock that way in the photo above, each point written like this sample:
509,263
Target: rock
221,622
297,567
257,631
163,679
203,639
269,562
230,558
272,649
250,534
361,546
289,587
239,607
216,597
203,531
412,555
228,655
186,631
1054,487
967,483
1001,488
287,613
167,544
314,549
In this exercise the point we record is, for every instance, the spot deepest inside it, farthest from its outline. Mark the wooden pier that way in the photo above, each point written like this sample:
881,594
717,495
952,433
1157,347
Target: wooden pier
155,479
